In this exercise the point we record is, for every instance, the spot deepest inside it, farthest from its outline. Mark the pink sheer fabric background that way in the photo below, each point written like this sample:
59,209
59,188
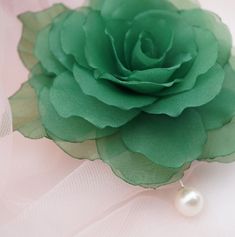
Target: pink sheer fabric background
45,193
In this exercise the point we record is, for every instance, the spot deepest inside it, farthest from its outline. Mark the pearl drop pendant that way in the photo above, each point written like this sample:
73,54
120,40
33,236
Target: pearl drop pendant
189,202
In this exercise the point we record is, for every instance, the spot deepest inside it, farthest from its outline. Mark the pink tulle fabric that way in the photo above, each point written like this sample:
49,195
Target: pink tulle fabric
45,193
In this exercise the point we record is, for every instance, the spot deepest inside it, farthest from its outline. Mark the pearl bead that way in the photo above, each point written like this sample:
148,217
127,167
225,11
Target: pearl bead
189,202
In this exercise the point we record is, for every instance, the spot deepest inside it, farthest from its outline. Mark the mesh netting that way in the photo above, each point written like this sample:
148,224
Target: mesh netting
5,121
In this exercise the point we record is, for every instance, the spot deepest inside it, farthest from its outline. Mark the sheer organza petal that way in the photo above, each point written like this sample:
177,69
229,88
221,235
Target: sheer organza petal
207,87
73,36
220,143
109,93
143,87
169,142
39,78
180,4
55,42
122,9
134,168
154,75
210,21
186,4
207,49
116,31
218,116
151,27
221,110
76,103
72,129
84,150
44,55
162,25
28,121
98,43
33,23
140,60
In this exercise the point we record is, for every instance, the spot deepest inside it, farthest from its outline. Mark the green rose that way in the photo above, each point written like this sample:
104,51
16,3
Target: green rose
146,83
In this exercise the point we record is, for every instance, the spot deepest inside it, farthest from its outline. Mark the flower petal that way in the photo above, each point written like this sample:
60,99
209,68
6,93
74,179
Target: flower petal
116,30
96,4
143,87
220,110
122,9
169,142
84,150
207,87
33,23
161,25
220,142
108,92
76,103
73,37
210,21
134,168
140,60
205,59
27,121
44,54
55,42
154,75
73,129
185,4
98,48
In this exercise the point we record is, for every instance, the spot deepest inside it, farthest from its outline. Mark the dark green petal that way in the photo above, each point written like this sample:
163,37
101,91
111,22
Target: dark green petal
205,90
55,42
162,26
156,26
221,110
108,92
143,87
116,30
73,129
33,23
134,168
98,48
123,9
169,142
184,46
206,58
154,75
140,60
73,36
73,102
25,113
210,21
44,54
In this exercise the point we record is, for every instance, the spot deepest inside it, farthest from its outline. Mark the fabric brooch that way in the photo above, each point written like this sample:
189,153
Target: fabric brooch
146,86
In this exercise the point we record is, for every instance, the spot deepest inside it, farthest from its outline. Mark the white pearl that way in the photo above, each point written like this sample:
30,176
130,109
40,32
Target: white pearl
189,202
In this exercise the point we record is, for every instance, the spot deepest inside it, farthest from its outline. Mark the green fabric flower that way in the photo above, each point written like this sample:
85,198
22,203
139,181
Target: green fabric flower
146,86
